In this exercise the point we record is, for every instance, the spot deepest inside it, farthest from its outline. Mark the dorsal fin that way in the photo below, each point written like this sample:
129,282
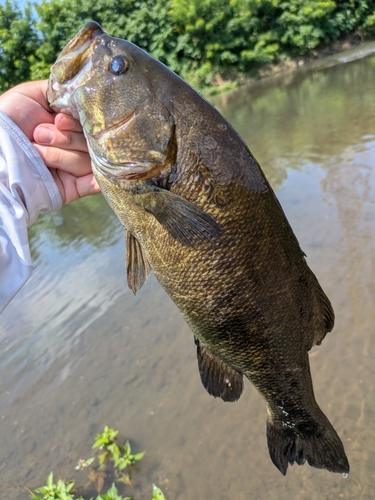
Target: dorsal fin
137,267
218,378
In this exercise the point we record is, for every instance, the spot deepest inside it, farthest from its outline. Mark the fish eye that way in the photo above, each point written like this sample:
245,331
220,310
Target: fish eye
118,65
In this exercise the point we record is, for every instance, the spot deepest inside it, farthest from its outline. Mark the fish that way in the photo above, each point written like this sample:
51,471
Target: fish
198,211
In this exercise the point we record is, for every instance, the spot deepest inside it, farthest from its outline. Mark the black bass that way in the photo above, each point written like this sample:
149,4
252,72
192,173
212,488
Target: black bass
198,211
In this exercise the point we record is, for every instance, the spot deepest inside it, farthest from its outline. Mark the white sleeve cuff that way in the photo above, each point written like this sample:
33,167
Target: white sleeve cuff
27,188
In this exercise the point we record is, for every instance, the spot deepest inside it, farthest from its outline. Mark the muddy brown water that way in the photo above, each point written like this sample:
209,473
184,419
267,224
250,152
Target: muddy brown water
79,351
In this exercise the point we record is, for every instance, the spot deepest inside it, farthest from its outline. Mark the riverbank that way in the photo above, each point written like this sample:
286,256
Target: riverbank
233,80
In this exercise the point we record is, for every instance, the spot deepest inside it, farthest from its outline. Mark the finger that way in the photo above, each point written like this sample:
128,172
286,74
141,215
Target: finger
59,184
86,185
66,122
72,188
36,91
47,134
26,105
77,163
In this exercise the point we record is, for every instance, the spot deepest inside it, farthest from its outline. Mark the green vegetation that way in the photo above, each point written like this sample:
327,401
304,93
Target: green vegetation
121,455
18,42
117,455
202,40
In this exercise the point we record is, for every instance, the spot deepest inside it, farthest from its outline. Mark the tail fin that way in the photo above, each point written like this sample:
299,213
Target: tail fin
322,449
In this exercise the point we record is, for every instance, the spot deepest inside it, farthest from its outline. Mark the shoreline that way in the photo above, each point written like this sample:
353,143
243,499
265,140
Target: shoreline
236,80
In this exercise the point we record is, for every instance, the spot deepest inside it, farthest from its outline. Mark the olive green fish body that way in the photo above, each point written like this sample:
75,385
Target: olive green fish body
198,211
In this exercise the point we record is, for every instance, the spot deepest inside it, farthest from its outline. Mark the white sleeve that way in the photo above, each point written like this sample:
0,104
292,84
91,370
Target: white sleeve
26,189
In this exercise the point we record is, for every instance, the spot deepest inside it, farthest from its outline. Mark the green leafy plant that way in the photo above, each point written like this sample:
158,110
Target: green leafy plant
18,43
64,491
205,41
112,494
120,456
61,491
157,493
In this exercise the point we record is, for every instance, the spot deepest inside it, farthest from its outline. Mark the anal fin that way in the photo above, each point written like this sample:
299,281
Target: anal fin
218,378
326,314
137,267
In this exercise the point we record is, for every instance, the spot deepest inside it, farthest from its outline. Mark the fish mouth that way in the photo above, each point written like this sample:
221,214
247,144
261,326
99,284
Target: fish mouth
66,73
124,172
76,53
128,171
116,126
114,171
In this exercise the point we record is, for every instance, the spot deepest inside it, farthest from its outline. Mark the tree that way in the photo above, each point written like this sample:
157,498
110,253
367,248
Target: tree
18,41
199,39
143,22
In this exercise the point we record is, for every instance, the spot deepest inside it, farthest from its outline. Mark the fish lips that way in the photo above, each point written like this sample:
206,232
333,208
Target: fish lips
67,74
141,163
125,172
76,53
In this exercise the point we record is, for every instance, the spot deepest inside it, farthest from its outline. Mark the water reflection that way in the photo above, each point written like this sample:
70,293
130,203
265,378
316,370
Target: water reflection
78,351
88,222
66,292
350,182
301,119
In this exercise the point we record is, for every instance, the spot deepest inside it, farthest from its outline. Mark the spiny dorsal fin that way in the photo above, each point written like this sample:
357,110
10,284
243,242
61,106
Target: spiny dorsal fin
137,267
218,378
182,219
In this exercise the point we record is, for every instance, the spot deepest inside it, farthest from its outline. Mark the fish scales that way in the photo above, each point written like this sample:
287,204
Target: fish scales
198,211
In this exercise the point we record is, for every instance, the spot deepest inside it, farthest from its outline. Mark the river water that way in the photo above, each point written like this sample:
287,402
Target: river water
79,351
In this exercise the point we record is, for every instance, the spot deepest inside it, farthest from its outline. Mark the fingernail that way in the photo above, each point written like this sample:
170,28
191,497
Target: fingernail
65,122
43,135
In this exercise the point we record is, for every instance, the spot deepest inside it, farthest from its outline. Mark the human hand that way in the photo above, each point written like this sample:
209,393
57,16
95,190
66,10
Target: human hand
63,149
58,138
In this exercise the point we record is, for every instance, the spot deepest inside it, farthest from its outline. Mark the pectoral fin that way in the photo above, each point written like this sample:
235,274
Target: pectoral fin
182,219
219,379
137,267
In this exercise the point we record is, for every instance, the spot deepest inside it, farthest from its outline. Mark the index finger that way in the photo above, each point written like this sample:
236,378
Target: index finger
67,123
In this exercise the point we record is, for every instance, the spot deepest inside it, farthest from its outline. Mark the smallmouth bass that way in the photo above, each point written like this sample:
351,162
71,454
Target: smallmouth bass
198,211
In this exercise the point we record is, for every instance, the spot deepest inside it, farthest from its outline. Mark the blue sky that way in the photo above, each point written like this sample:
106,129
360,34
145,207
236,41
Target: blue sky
22,3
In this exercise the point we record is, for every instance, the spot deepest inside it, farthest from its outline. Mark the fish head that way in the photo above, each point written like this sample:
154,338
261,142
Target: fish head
109,85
